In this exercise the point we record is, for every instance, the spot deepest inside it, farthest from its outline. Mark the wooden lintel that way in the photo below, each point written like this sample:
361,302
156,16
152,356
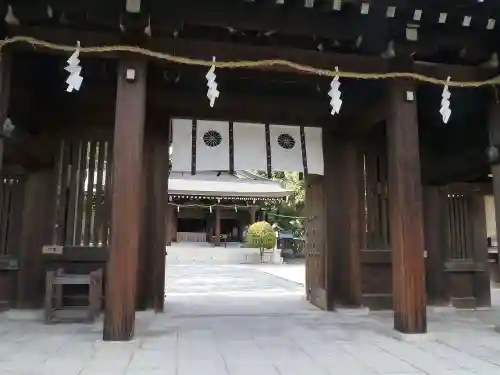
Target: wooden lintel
464,167
225,51
183,103
28,145
362,121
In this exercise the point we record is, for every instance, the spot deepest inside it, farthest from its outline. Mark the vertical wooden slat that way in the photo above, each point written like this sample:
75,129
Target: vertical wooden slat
479,250
99,199
15,217
121,284
467,231
372,200
193,147
5,209
79,210
384,203
90,194
70,209
106,218
451,226
62,186
405,205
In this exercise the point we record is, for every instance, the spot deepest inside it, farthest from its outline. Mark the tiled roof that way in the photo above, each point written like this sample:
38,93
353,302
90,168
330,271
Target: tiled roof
223,184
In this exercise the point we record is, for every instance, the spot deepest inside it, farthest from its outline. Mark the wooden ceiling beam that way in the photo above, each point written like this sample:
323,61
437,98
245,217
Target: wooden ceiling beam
468,166
225,51
250,17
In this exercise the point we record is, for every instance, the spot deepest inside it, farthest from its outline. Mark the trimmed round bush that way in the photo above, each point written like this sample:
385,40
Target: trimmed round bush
261,235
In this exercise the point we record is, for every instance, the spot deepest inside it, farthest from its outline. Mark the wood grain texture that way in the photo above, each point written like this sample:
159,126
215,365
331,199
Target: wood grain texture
125,203
405,211
494,133
434,230
36,230
160,204
343,200
318,258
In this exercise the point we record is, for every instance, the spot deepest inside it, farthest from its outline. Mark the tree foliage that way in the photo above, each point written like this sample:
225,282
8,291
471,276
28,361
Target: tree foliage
282,214
261,235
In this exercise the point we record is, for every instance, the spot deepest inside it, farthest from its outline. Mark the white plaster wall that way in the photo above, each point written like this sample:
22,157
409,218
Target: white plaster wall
489,204
205,253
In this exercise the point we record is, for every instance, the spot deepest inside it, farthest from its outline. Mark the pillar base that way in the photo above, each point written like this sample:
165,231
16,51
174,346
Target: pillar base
353,311
413,337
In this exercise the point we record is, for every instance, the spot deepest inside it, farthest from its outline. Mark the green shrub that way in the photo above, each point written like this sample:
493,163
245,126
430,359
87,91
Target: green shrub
261,236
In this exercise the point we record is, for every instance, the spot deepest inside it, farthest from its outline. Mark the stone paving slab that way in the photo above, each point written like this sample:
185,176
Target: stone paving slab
259,325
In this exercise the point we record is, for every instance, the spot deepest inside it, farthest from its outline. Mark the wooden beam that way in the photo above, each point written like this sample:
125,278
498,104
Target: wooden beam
225,51
362,121
35,148
249,17
405,211
230,105
467,166
125,215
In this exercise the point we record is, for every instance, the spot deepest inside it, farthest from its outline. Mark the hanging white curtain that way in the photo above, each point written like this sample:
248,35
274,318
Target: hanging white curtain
286,150
314,150
181,144
249,146
212,145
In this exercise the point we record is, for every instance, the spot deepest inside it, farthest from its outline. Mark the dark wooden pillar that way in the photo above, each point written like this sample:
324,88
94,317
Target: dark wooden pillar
170,224
343,200
481,280
154,232
434,234
5,70
494,130
37,206
126,208
405,210
217,227
145,262
159,213
252,212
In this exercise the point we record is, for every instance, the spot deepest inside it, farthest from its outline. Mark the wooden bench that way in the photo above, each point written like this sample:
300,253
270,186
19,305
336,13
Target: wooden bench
54,308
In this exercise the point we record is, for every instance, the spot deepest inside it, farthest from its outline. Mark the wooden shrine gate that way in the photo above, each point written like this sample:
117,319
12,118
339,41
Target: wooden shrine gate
457,247
316,250
11,209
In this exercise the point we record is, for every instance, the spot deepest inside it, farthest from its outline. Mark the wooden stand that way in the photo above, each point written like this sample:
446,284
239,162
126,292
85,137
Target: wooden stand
54,309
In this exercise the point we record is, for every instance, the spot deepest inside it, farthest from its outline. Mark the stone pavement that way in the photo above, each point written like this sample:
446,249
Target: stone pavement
238,320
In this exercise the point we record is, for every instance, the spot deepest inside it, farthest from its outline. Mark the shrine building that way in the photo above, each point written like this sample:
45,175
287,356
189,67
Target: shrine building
390,109
205,206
